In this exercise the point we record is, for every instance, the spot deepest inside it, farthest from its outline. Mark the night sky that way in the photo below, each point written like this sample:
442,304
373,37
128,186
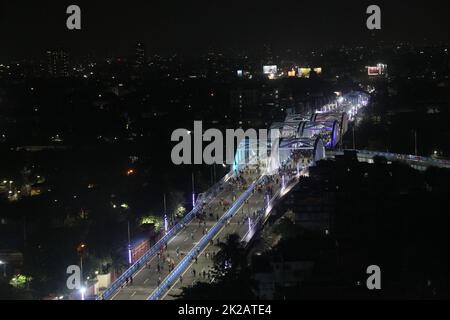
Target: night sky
28,28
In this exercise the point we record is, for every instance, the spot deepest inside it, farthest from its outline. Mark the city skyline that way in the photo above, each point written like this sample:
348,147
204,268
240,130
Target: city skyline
206,150
194,27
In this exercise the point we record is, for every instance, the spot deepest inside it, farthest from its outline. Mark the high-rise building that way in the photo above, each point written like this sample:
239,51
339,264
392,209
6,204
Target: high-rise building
58,63
140,54
268,55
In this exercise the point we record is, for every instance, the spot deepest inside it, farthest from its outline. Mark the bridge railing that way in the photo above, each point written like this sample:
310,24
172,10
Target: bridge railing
402,157
133,269
184,263
408,157
263,214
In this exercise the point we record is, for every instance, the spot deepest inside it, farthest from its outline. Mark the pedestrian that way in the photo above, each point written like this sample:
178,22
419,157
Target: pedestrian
193,272
181,279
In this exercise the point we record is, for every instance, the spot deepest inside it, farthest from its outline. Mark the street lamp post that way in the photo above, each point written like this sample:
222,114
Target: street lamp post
129,243
4,268
81,248
81,269
354,143
172,218
193,191
83,292
415,142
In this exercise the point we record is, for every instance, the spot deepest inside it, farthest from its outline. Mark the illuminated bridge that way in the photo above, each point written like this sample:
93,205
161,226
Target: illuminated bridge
242,201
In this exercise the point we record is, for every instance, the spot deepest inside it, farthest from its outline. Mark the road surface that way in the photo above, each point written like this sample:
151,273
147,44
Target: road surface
150,275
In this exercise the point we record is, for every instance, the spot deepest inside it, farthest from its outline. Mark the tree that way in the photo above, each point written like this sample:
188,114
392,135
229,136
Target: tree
155,222
232,275
231,258
20,281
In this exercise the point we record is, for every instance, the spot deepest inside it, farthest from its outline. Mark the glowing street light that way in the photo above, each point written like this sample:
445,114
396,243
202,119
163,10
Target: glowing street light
4,267
130,260
82,292
166,224
250,225
81,249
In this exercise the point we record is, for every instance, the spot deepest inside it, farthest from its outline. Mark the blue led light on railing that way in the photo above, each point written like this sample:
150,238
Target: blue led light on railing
201,244
156,247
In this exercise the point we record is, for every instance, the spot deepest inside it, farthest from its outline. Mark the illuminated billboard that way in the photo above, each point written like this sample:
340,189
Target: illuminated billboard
373,71
377,70
382,68
272,69
304,72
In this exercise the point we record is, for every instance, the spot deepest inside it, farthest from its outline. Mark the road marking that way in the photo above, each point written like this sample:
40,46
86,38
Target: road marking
146,280
133,294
